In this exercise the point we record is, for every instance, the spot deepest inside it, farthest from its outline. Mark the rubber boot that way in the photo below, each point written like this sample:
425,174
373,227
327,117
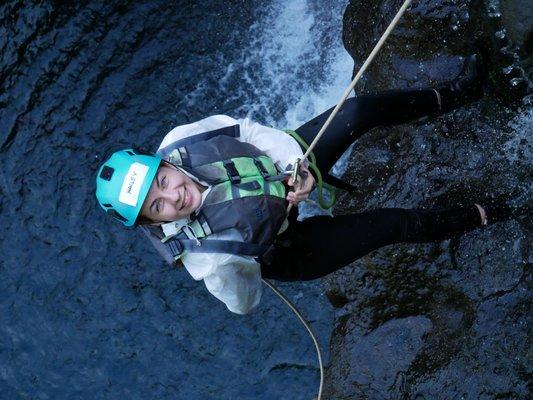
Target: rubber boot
465,88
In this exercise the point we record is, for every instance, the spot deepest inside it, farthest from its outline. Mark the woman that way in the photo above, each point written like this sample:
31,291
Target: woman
214,196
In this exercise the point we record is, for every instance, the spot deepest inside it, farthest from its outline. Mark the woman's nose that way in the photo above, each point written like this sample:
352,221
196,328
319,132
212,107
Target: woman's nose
171,195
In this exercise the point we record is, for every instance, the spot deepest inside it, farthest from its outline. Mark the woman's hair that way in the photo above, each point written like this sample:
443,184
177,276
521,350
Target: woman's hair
141,220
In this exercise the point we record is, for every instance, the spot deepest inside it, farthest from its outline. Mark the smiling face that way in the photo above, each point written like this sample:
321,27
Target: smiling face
173,195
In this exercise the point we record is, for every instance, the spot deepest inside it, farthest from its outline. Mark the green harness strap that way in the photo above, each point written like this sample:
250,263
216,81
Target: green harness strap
320,184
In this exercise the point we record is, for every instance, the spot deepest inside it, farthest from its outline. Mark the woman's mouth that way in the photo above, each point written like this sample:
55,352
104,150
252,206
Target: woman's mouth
186,199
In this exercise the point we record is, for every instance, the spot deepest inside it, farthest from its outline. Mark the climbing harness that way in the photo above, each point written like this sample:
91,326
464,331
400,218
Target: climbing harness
308,153
245,194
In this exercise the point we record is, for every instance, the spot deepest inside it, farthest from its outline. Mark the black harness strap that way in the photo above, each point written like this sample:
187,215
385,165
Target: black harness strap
231,169
178,246
262,170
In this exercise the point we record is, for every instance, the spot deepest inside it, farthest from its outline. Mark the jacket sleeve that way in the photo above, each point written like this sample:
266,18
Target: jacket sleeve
278,145
235,280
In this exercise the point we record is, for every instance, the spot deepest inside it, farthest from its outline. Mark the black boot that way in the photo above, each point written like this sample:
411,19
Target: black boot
465,88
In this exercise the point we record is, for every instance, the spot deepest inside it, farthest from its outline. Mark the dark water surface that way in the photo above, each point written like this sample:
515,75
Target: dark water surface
87,309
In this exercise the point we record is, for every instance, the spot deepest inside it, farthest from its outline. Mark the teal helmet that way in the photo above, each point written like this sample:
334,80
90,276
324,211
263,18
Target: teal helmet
123,182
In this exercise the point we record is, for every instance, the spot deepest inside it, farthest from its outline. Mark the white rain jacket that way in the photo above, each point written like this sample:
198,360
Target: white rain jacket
233,279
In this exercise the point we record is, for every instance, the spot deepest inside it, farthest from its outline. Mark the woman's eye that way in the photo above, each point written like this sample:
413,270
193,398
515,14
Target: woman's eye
158,206
164,182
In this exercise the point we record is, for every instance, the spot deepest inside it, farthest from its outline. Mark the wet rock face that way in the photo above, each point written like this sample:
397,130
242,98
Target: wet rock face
444,320
432,35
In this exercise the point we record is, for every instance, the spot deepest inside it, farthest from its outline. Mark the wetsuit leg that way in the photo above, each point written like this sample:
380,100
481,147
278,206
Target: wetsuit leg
320,245
362,113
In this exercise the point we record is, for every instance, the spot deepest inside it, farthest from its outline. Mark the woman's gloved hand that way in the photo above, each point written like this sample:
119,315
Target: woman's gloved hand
304,186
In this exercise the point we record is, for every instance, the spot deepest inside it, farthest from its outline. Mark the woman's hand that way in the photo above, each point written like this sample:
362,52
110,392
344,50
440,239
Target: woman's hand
304,186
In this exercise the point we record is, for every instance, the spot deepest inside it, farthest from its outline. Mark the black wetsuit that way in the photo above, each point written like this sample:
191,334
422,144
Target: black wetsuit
320,245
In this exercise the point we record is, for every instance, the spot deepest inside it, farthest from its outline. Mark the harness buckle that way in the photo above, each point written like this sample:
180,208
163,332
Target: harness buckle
261,168
174,246
187,229
232,172
167,238
178,257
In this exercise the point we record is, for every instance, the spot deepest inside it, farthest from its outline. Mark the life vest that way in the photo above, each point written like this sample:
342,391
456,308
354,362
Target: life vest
246,195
